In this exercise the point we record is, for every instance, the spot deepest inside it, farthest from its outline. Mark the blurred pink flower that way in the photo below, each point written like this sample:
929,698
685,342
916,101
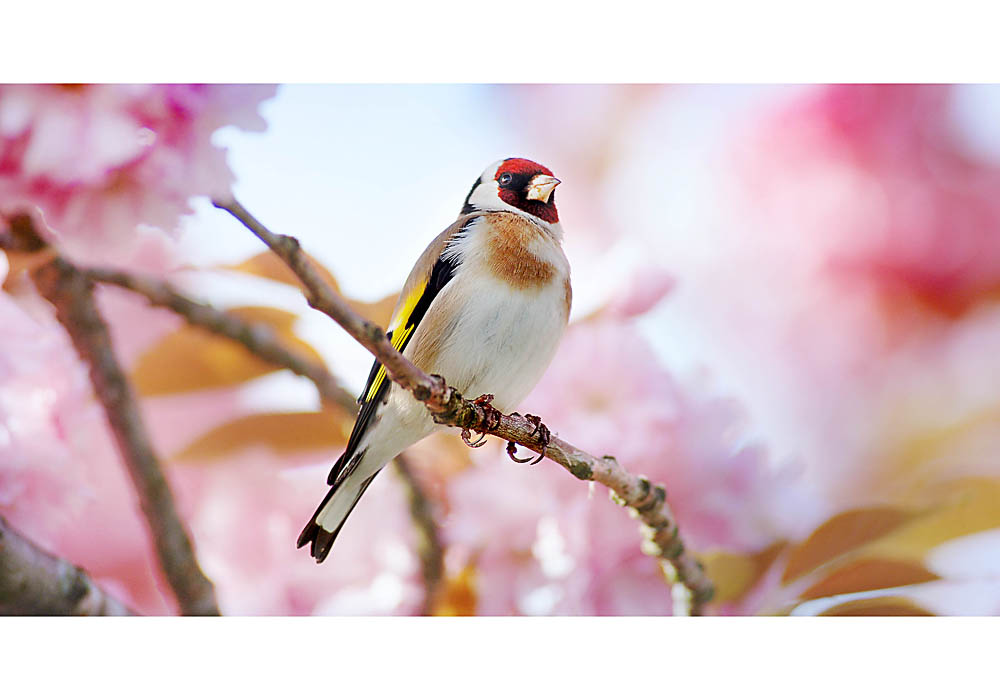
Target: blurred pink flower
41,384
61,480
555,120
545,543
647,286
104,168
830,288
98,161
63,484
845,304
879,178
245,515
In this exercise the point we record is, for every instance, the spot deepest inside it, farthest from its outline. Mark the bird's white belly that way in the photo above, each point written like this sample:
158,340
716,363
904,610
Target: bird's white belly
502,340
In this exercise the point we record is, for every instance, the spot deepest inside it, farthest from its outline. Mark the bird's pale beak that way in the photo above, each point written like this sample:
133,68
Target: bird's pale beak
541,187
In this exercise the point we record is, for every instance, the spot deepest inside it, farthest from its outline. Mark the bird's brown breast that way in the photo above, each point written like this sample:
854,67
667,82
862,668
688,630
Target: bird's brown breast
510,257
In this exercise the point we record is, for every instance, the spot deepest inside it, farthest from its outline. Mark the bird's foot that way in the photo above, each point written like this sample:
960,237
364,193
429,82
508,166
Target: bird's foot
490,421
491,416
544,437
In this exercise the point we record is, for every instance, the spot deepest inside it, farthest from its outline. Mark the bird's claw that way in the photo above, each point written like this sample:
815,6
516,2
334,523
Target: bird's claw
512,453
467,439
491,416
544,437
491,421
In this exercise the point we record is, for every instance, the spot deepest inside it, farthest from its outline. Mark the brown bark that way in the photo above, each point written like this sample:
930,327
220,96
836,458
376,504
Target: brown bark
72,294
34,582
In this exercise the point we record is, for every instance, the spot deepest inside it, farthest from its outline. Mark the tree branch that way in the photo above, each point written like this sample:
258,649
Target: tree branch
34,582
261,341
691,589
428,542
72,294
255,337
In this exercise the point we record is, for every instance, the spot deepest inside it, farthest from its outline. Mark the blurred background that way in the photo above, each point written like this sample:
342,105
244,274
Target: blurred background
786,309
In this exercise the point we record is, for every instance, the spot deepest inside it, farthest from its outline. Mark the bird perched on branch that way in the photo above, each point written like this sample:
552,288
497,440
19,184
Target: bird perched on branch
484,306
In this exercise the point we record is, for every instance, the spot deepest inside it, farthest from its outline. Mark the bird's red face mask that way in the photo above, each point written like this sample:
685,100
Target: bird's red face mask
528,186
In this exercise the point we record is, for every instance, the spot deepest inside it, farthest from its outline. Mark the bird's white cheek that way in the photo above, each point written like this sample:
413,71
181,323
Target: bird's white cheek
487,196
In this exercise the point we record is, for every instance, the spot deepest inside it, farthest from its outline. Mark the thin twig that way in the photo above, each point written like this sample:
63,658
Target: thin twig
428,542
261,341
691,589
72,295
35,582
255,337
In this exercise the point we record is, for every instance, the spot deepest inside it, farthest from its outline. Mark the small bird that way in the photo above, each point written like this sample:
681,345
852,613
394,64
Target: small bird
484,306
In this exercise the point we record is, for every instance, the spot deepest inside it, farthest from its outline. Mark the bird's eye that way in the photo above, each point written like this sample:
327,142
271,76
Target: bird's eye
505,179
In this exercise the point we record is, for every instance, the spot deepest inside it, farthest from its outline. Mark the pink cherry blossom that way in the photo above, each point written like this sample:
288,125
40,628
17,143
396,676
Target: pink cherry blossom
97,161
62,482
646,288
103,169
41,385
543,543
556,119
246,513
888,189
829,276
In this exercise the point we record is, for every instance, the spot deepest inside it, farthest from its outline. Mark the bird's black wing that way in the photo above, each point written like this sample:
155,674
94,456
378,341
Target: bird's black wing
410,310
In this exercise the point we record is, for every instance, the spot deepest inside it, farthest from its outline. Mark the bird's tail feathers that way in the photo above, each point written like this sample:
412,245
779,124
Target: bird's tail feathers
323,528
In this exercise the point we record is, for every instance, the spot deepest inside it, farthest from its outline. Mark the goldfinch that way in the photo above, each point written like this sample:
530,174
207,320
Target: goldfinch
484,306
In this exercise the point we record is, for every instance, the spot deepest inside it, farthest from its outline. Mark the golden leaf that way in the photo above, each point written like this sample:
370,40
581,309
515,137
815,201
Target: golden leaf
457,594
885,605
734,575
284,433
869,575
379,312
931,444
841,534
965,506
269,266
920,452
191,359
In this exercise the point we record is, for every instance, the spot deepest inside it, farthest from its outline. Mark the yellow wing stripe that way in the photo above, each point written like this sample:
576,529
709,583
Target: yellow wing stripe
402,316
400,320
397,342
